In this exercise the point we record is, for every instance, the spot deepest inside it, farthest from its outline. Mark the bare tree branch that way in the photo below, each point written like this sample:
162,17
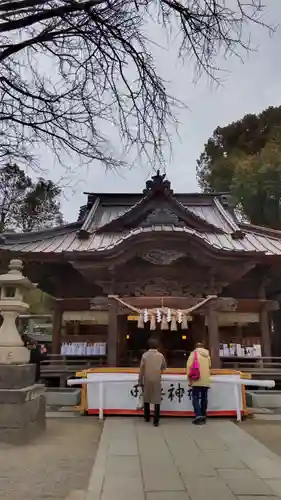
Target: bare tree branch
73,69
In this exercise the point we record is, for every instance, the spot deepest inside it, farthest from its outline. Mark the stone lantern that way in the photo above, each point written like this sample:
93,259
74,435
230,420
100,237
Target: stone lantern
12,286
22,402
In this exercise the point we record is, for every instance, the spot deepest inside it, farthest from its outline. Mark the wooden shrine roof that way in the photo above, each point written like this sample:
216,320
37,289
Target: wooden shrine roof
109,221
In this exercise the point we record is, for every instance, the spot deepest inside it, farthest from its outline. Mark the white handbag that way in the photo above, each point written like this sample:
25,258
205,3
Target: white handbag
140,401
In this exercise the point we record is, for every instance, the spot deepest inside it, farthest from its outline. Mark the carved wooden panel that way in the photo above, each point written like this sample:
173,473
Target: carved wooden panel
162,257
169,272
161,216
182,278
160,287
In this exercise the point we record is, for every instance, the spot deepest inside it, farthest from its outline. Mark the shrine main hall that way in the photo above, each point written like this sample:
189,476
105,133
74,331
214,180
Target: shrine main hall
180,266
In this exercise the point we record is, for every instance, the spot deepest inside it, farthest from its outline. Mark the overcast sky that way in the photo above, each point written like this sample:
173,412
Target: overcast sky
250,87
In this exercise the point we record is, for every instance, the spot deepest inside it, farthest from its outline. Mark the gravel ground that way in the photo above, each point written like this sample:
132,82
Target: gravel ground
266,431
56,463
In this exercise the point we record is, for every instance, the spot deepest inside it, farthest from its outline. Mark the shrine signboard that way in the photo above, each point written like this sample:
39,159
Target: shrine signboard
120,394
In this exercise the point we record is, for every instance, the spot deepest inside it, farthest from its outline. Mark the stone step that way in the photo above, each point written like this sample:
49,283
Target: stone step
64,414
260,411
272,417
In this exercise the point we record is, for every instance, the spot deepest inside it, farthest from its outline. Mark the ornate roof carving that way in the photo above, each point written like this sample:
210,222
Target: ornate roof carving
158,183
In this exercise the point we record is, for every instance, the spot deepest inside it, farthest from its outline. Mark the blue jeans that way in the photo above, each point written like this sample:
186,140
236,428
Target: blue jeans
200,401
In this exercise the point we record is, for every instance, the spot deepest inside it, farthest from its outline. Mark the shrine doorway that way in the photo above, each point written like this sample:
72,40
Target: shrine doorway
175,345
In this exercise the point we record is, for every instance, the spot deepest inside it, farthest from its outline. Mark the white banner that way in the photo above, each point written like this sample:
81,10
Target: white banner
120,394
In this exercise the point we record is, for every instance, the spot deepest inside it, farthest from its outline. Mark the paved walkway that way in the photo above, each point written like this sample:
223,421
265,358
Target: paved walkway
179,461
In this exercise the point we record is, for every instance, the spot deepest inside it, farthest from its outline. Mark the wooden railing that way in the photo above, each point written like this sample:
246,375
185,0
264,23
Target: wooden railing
264,365
63,367
57,362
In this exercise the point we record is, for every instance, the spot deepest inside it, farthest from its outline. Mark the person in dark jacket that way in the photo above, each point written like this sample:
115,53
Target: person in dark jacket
36,356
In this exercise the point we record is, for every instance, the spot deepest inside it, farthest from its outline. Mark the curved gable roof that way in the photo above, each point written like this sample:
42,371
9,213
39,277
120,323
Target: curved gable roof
120,212
150,207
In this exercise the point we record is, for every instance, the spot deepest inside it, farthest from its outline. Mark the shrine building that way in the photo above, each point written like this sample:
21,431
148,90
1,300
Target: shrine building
177,265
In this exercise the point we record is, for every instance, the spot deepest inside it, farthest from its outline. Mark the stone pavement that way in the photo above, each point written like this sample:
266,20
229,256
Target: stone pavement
179,461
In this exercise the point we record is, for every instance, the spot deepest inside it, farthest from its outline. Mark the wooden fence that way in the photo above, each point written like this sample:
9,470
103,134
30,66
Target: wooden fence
63,367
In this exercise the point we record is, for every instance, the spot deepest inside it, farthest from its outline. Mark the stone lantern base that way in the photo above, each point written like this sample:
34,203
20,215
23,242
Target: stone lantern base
14,354
22,404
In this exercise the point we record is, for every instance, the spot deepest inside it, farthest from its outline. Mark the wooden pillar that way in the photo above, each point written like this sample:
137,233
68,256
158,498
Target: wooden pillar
264,323
276,340
198,329
214,340
265,332
112,340
57,321
122,332
239,332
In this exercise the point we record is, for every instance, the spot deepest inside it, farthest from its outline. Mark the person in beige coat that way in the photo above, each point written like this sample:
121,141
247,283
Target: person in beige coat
152,365
201,383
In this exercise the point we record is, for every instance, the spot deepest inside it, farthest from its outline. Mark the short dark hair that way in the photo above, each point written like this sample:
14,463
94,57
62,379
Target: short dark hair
153,343
199,344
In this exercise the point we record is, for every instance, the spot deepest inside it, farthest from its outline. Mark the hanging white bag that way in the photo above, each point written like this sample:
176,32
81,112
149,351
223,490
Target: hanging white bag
140,404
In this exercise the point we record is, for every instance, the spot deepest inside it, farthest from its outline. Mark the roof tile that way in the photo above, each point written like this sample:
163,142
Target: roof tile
70,242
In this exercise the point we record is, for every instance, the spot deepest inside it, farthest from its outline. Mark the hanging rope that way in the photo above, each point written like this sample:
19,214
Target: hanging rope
135,309
200,304
164,309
